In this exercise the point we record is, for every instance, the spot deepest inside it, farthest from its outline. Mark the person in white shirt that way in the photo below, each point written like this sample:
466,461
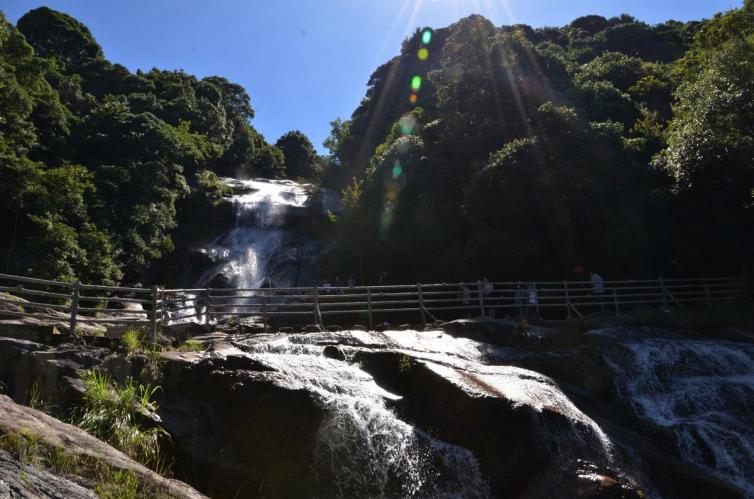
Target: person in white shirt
598,283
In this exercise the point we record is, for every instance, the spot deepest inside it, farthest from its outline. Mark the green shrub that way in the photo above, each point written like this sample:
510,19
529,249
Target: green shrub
121,484
133,340
191,345
25,446
106,481
118,415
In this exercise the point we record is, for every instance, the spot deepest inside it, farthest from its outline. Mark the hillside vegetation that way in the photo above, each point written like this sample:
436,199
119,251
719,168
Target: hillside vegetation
95,160
515,152
510,152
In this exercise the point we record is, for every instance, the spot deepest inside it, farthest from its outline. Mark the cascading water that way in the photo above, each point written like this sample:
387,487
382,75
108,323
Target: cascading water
362,448
259,247
702,390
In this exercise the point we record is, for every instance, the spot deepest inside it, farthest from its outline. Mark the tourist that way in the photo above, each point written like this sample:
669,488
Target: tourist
598,287
519,299
351,281
598,283
465,294
532,292
487,290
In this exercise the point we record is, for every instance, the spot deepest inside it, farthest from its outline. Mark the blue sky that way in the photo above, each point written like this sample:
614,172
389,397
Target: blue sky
306,62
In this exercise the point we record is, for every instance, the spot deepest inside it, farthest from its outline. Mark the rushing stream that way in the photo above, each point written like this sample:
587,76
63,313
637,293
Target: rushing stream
703,391
363,449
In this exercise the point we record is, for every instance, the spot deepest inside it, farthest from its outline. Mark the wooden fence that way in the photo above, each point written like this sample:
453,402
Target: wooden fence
75,304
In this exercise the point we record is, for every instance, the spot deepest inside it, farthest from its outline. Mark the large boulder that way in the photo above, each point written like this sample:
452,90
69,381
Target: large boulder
25,481
46,375
517,422
49,432
221,280
236,431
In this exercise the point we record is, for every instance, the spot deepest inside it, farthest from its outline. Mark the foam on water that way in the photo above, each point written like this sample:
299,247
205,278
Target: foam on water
704,391
363,449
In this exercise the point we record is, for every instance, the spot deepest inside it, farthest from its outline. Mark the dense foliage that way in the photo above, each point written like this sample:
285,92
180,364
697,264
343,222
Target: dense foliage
299,155
95,160
509,152
515,152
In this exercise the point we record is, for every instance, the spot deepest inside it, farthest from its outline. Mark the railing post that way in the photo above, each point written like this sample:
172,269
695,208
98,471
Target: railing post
481,298
421,304
664,294
316,306
567,299
264,311
155,311
615,301
207,305
74,306
163,309
369,308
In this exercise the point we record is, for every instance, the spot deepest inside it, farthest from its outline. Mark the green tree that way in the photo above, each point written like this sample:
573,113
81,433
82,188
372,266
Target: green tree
709,154
59,36
300,157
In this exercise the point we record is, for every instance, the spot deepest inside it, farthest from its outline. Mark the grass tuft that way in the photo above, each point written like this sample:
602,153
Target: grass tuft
133,341
120,415
191,345
106,481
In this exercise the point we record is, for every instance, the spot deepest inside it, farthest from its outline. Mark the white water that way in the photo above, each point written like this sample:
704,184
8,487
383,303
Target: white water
362,448
259,247
704,391
462,361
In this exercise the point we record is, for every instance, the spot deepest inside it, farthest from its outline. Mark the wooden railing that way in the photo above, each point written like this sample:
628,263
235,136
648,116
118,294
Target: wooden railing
72,305
428,302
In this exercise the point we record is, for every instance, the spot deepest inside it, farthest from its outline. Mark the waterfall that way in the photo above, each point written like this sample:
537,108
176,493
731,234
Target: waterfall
363,449
259,246
703,391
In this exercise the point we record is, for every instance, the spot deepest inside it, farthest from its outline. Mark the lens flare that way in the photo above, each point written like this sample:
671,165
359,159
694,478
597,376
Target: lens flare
426,37
407,124
422,54
385,220
397,171
416,83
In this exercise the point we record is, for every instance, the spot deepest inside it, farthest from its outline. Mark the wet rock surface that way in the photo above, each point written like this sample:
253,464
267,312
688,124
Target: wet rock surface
475,409
22,481
52,432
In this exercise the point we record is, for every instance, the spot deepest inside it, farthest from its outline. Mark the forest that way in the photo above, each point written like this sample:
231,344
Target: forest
507,152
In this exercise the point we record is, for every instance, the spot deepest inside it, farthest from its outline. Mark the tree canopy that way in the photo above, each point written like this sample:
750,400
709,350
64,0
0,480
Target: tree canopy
95,160
518,152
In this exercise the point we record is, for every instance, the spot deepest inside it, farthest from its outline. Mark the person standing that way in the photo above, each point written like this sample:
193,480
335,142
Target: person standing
598,287
465,294
598,283
533,299
519,299
487,290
